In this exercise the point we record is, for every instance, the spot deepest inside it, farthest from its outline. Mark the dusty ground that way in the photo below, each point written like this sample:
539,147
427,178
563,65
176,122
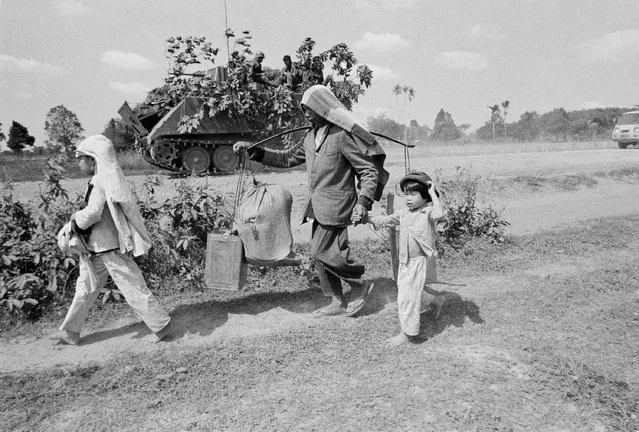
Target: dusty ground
541,190
529,209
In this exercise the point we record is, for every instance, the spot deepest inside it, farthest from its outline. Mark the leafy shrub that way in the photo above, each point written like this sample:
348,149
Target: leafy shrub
179,227
32,267
34,272
465,218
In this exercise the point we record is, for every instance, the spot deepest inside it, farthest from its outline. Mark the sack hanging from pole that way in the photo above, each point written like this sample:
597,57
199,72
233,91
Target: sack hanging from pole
264,225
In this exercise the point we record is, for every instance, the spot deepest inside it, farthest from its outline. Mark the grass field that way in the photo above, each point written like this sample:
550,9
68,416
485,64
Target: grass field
32,168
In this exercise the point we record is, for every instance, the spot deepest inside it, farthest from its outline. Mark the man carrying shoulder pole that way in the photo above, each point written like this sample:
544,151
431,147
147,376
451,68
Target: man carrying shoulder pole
345,170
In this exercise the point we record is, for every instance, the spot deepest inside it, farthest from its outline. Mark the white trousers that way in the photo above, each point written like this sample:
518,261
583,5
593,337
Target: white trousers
128,278
411,278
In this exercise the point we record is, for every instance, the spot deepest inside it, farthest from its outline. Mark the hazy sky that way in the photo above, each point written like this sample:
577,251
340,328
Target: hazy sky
461,56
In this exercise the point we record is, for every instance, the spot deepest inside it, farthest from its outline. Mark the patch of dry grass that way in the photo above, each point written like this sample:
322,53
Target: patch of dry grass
563,182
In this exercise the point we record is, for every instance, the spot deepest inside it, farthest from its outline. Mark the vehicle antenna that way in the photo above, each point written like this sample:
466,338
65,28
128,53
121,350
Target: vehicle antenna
226,23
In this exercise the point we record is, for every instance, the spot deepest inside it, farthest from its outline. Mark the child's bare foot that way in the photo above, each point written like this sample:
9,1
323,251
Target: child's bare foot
438,303
67,338
398,340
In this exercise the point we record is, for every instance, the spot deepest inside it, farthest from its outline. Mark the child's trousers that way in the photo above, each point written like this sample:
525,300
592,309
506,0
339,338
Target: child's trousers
128,278
411,277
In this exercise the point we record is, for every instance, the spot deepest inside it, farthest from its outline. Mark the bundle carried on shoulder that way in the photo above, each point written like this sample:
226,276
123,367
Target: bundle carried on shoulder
264,225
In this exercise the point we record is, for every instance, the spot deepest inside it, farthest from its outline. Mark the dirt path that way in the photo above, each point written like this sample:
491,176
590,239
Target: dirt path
527,211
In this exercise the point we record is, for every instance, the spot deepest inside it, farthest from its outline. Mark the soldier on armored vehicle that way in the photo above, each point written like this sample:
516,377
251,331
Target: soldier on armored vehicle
210,111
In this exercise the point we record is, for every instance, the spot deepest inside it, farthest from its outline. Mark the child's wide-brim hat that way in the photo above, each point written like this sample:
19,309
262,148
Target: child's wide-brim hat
419,177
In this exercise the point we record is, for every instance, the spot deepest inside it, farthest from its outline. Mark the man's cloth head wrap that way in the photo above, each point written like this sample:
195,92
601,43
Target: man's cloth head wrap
324,103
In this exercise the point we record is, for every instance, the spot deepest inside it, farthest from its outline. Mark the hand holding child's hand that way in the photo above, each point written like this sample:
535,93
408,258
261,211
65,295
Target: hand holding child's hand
359,215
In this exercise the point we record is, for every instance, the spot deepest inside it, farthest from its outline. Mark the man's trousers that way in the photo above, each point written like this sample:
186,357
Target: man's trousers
330,252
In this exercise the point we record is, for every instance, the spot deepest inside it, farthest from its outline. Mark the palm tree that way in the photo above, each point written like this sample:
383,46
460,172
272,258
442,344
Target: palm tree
505,105
397,90
409,92
409,95
494,116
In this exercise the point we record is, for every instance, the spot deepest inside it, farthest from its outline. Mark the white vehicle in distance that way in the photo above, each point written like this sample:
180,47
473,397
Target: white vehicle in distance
626,131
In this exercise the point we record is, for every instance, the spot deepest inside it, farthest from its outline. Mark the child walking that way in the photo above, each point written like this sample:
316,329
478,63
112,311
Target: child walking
417,252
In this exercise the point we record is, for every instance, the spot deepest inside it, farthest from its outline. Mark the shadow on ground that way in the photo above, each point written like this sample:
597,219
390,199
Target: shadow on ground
204,318
455,312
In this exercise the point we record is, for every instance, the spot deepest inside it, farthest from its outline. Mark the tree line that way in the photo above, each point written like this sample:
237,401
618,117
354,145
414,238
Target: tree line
555,125
64,131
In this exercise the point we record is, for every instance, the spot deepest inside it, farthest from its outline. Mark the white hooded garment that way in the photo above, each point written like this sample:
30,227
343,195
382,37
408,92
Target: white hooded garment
132,234
116,261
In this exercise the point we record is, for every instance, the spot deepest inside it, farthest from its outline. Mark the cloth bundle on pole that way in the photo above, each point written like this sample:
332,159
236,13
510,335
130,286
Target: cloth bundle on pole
264,225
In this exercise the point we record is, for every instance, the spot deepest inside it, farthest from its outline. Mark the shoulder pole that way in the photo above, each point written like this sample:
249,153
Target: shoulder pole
309,127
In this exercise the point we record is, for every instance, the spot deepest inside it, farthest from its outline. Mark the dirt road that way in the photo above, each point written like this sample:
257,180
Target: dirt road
528,209
527,206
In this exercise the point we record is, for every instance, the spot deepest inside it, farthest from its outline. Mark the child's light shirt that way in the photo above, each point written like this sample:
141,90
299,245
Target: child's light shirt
417,230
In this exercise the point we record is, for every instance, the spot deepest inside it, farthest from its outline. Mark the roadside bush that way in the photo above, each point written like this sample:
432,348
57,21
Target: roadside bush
465,219
179,227
35,273
32,267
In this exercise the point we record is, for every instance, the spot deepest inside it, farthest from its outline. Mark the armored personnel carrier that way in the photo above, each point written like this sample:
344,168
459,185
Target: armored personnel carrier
207,149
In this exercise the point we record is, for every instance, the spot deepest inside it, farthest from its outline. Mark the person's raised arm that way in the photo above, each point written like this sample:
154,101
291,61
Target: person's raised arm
438,210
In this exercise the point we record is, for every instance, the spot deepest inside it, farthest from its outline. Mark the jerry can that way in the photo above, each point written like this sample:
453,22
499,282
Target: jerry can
225,266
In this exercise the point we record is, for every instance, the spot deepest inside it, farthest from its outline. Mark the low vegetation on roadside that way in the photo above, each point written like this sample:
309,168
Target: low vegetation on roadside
36,275
466,217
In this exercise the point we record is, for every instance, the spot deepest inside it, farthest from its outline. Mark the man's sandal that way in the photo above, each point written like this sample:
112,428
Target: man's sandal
356,305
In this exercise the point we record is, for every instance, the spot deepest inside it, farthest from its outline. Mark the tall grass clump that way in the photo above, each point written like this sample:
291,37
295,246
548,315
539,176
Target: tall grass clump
466,218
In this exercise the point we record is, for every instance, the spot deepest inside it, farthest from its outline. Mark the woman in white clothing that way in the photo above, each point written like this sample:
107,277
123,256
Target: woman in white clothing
114,233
